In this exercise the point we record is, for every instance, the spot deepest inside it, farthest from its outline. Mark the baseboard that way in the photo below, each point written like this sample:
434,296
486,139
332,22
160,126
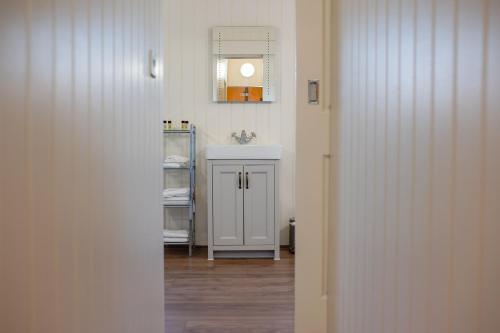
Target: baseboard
206,246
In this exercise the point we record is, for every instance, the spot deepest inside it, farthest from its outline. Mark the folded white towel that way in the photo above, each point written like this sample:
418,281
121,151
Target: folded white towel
185,198
174,240
175,233
174,165
176,192
176,159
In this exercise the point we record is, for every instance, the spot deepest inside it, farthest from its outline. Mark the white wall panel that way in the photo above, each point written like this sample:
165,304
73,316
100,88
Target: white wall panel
418,179
188,88
80,210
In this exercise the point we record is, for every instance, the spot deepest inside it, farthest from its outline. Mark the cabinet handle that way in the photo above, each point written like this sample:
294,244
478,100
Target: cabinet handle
246,176
239,180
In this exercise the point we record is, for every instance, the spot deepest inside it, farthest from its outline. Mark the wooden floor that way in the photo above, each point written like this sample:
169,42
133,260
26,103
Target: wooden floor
228,295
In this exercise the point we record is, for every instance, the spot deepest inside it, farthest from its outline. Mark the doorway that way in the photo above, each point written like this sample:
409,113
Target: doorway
216,295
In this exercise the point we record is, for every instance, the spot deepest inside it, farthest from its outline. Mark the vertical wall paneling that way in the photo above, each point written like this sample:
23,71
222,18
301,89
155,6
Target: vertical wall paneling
417,184
489,293
188,90
80,140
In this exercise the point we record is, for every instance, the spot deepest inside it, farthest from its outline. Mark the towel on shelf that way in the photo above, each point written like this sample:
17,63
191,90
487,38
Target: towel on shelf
186,198
174,165
177,196
175,233
176,192
175,161
176,158
175,239
176,202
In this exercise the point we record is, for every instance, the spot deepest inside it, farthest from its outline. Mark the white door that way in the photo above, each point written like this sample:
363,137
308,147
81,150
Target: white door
227,201
259,204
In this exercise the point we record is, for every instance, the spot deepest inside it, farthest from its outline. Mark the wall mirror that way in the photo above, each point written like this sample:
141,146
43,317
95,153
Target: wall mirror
244,64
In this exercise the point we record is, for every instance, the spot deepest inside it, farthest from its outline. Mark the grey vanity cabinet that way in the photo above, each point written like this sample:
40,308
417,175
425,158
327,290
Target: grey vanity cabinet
242,209
258,207
227,203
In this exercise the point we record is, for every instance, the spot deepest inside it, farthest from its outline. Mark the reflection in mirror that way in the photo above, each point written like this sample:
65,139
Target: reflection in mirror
244,64
240,79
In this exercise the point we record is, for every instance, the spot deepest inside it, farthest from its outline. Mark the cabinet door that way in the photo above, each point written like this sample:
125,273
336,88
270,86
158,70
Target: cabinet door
227,201
259,204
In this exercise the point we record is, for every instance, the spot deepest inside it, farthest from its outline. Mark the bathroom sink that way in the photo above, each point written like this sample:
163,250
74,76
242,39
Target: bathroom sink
243,152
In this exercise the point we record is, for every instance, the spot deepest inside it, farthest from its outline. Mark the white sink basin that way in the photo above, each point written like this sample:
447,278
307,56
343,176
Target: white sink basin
243,152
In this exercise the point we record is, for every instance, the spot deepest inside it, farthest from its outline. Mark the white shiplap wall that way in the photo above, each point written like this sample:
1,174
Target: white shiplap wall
188,87
80,140
419,223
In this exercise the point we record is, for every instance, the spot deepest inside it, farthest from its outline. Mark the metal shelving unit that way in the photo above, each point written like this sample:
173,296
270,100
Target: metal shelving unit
191,169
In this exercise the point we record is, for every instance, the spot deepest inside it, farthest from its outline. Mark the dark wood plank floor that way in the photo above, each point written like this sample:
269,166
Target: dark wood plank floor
228,295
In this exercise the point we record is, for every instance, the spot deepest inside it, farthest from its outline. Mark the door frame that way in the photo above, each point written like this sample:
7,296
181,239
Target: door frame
314,258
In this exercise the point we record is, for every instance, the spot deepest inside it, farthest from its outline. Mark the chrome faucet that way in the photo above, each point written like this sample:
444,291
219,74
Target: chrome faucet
243,139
